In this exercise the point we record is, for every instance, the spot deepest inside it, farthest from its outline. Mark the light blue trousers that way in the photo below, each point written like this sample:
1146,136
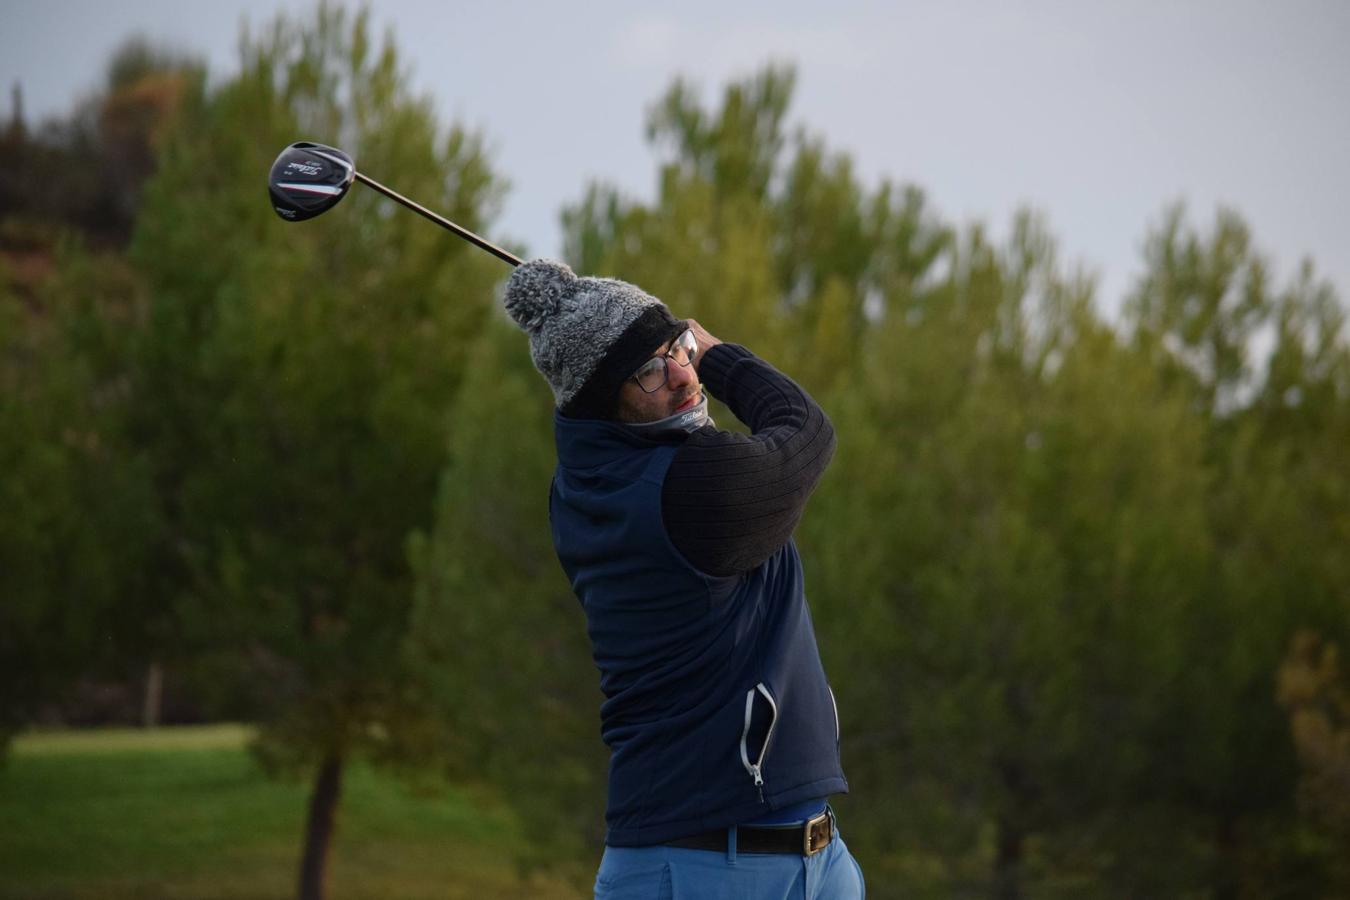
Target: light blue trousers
673,873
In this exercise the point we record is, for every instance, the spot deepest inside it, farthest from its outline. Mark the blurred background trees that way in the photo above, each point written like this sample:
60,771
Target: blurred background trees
278,403
1081,581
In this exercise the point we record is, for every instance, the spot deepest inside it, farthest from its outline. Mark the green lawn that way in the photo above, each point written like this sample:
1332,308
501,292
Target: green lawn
185,813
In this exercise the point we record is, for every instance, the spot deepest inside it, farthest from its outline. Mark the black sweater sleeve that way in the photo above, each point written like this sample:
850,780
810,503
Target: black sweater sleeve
730,500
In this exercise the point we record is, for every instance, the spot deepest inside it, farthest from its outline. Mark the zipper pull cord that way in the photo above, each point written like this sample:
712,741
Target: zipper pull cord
759,782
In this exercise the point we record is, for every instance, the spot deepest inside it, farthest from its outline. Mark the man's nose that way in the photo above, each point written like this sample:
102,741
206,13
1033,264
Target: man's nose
677,376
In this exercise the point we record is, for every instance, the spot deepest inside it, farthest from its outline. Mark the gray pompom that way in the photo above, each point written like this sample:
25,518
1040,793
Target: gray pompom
535,291
574,323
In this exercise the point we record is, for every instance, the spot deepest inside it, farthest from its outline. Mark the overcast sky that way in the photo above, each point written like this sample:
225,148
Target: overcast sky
1098,114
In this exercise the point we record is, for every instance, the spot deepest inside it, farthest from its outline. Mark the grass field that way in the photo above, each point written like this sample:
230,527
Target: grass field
186,813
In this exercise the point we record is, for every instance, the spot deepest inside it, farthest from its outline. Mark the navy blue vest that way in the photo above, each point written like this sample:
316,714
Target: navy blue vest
717,710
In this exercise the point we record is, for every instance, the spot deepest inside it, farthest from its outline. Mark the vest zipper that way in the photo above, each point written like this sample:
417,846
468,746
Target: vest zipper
834,704
756,768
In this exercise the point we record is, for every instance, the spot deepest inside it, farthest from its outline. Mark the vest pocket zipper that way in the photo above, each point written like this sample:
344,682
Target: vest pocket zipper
835,705
756,768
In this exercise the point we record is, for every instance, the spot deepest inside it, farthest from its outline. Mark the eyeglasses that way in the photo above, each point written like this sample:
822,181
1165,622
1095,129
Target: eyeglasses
655,371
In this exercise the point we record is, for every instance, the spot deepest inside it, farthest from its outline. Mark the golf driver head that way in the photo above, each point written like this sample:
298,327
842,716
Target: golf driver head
309,179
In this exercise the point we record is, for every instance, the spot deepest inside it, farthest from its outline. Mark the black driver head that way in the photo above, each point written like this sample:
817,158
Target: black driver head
308,179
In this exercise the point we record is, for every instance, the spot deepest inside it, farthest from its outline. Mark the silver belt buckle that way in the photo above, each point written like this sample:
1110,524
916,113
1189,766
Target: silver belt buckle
811,844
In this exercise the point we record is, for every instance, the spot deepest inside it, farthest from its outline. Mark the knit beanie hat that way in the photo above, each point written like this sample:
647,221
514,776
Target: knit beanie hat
587,335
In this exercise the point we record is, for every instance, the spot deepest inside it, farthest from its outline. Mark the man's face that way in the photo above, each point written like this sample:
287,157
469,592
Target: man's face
680,391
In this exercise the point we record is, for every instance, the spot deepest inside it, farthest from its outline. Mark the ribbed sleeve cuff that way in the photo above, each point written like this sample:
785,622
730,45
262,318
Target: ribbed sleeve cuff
716,366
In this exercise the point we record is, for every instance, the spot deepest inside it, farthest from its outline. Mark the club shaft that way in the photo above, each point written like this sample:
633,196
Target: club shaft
441,221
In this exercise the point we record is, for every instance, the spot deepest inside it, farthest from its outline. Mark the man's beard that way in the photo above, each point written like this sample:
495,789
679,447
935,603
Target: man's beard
683,422
630,416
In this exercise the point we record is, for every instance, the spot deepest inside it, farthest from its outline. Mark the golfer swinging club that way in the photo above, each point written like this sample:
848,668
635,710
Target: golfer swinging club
677,539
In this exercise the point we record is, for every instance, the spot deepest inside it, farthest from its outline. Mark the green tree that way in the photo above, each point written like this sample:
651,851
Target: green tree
78,500
499,635
291,390
76,542
1274,514
1009,530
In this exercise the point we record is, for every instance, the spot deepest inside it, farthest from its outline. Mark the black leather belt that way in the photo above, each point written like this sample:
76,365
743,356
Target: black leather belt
806,839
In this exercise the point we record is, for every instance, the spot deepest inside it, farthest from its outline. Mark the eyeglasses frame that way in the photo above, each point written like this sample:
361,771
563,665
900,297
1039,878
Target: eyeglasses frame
665,357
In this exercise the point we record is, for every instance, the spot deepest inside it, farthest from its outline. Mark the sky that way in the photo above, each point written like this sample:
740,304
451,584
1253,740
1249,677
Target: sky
1098,115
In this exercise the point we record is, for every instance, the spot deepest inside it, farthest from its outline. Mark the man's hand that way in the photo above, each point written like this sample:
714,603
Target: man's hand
704,339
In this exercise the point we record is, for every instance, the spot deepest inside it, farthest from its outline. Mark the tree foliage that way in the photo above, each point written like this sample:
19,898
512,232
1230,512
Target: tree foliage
295,382
282,395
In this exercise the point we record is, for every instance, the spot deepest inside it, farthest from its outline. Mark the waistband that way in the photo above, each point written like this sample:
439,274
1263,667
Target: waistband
804,839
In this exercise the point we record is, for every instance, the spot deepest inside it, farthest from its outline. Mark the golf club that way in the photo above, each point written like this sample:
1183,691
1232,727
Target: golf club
309,179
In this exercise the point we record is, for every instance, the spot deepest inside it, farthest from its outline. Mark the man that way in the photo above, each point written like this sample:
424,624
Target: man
677,539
